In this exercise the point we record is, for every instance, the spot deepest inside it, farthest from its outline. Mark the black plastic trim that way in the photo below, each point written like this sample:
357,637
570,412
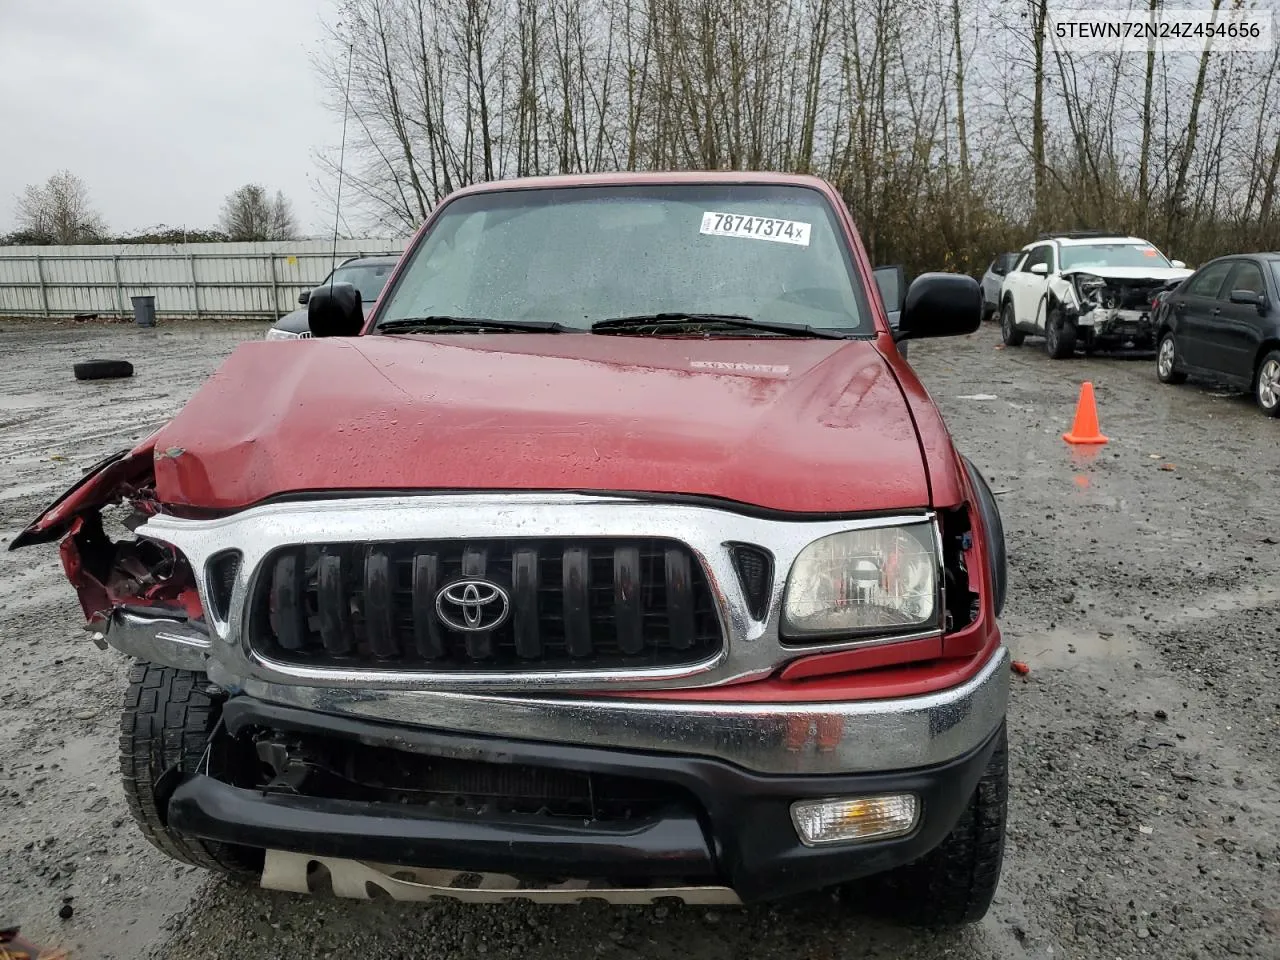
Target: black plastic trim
745,816
671,845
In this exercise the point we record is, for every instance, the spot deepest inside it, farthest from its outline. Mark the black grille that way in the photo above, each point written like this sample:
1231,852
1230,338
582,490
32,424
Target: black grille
335,768
573,604
222,578
755,571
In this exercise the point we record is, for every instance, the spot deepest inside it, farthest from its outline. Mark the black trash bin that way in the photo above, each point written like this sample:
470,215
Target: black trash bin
144,311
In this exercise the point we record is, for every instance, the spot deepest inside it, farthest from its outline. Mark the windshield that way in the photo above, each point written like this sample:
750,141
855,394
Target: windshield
1075,257
577,255
368,278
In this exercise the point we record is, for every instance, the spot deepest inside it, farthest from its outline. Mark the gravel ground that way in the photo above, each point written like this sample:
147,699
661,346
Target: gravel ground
1145,742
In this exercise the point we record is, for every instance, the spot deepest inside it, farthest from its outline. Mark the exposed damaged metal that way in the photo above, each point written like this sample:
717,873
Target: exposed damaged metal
116,573
1109,309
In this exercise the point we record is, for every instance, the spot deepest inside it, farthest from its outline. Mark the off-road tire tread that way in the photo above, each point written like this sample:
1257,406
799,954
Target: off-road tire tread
167,717
955,883
102,369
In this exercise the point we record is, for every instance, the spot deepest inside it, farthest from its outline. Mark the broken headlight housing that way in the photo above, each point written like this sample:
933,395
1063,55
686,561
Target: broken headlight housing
878,579
1089,287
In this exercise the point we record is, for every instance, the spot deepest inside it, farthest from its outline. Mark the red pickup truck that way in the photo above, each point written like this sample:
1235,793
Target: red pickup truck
618,554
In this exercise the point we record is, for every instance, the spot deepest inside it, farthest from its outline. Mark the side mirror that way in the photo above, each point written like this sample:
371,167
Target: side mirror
1178,264
1040,269
335,311
892,282
941,305
304,296
1249,297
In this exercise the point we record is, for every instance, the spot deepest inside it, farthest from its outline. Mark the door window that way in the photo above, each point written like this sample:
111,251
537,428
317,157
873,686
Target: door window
1042,254
1208,282
1247,277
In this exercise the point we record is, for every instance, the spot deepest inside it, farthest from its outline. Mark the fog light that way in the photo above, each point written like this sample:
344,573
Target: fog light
854,819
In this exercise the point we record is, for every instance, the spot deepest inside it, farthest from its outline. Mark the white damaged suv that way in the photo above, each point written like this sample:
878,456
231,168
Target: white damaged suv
1088,289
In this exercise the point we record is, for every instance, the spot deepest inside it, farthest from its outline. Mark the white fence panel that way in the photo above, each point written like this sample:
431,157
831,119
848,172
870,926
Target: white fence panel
250,280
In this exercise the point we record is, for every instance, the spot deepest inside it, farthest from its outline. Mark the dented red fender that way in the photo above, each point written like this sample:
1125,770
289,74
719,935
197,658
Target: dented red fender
107,481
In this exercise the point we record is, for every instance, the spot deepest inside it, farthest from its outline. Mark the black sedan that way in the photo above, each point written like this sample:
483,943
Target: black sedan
368,275
1223,323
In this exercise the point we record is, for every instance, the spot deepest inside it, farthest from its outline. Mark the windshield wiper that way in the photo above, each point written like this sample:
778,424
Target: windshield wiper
439,322
733,321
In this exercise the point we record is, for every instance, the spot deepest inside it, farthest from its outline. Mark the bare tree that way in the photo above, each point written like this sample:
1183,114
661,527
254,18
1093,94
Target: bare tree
58,211
250,213
952,128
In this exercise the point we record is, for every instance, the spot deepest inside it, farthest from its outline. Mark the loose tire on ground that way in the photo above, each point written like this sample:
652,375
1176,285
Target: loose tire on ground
955,882
103,369
1167,360
1266,384
167,718
1059,337
1009,331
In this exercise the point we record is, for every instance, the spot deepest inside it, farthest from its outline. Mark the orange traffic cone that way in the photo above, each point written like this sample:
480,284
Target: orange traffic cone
1085,428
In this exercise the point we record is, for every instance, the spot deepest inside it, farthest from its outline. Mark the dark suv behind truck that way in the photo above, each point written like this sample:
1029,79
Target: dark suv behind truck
618,554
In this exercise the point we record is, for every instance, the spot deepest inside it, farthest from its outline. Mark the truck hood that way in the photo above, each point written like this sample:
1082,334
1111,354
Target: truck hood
1152,274
785,424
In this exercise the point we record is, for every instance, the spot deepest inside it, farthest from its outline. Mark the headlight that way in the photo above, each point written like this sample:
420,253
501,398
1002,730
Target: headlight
881,578
275,333
1087,285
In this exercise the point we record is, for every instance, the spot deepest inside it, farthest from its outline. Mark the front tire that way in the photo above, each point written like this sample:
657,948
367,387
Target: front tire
955,882
1266,385
1059,337
168,718
1167,360
1009,331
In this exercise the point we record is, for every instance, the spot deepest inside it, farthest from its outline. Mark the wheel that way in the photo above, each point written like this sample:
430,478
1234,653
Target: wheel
1167,361
1009,331
1059,337
167,719
103,369
955,882
1266,385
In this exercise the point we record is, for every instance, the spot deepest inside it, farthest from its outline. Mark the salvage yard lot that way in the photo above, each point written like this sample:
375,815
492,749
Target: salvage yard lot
1144,594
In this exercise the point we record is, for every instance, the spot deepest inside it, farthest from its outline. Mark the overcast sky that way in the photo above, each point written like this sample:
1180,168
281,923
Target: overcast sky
163,107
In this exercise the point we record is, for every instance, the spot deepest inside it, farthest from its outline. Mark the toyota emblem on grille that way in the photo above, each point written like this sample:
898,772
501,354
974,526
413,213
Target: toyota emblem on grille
472,606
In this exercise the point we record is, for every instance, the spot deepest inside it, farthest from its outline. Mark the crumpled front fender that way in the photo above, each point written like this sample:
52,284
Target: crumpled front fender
109,480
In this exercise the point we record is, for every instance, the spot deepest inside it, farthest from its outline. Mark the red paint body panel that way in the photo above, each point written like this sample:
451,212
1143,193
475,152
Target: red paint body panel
912,679
868,658
792,425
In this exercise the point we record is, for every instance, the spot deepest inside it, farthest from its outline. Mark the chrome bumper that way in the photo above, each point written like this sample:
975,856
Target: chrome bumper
865,736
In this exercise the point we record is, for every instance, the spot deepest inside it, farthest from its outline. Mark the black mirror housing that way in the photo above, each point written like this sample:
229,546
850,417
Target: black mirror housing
1248,297
941,305
304,296
335,311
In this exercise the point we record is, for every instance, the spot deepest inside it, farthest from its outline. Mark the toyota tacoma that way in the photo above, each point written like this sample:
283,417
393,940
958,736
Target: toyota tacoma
617,554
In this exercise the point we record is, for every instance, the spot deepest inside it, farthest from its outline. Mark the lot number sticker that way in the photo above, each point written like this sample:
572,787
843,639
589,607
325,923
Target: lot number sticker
755,228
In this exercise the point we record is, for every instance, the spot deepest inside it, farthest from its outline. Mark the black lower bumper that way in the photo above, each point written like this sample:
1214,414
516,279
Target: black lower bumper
737,831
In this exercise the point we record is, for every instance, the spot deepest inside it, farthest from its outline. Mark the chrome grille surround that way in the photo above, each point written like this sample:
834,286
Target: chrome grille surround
753,646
